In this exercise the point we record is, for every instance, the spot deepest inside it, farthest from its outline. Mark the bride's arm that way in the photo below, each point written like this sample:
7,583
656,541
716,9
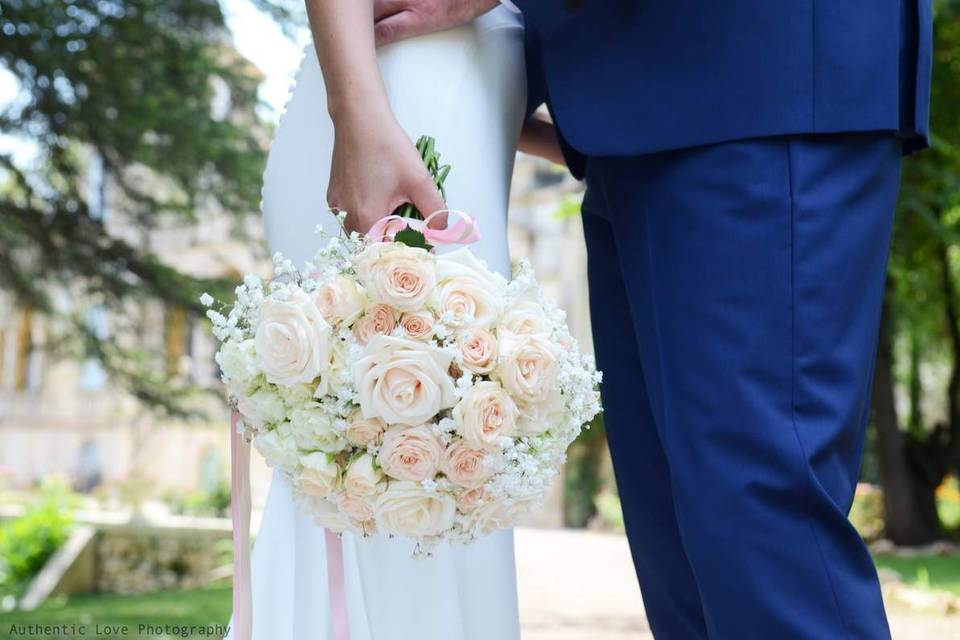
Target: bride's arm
375,167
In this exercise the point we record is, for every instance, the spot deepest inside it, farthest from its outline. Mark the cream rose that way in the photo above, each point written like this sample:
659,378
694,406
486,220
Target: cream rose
418,326
525,317
395,274
465,466
319,474
478,348
407,509
378,320
326,514
362,432
355,507
403,381
362,478
411,453
527,367
340,300
485,414
292,340
469,293
495,515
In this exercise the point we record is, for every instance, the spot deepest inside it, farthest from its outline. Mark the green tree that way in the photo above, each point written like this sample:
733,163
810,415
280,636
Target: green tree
921,323
120,84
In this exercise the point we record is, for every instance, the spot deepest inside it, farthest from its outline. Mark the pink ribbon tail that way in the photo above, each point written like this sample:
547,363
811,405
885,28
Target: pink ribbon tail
240,512
339,618
464,231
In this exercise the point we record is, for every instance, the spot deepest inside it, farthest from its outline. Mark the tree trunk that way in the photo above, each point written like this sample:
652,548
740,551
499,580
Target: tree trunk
910,514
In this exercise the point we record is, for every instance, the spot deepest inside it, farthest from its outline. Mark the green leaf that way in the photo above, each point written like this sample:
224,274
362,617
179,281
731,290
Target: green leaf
412,238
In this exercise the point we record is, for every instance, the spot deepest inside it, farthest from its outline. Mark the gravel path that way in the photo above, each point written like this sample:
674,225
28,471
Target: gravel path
578,585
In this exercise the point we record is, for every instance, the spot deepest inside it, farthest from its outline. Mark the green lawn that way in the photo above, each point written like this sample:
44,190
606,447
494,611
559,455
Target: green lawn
201,607
936,572
209,607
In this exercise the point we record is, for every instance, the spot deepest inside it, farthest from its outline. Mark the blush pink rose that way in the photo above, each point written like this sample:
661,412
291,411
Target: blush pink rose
478,349
469,500
411,453
465,466
418,326
379,319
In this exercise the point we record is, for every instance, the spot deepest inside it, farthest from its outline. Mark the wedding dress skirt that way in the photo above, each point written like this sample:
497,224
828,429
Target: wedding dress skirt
466,88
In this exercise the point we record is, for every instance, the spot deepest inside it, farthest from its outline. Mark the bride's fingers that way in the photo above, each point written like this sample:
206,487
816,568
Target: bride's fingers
426,197
399,26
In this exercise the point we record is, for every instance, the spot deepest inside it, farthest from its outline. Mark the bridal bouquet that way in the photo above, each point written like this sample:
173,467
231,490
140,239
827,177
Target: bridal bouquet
404,392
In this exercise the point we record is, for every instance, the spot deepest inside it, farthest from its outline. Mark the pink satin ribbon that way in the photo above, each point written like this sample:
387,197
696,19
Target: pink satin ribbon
340,620
463,231
240,513
240,504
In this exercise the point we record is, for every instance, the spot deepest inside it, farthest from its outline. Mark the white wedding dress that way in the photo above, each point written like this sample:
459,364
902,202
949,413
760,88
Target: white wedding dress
466,88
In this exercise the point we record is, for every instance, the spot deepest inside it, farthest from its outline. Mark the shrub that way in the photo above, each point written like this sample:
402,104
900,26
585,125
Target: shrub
27,542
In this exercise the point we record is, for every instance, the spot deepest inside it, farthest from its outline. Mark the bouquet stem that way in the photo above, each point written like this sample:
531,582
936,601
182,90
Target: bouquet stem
426,146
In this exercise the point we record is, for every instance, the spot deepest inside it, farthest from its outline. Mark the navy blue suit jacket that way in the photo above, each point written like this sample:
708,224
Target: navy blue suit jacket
629,77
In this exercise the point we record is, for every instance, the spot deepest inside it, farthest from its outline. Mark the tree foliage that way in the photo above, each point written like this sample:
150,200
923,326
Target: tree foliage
128,85
921,326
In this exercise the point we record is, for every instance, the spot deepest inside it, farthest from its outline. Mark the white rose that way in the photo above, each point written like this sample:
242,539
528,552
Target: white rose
485,414
278,448
319,474
397,275
403,381
263,407
297,395
292,340
525,317
527,367
362,478
340,300
238,362
537,418
410,453
495,515
470,294
407,509
313,429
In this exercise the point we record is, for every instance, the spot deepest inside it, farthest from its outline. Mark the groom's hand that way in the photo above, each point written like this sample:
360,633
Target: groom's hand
402,19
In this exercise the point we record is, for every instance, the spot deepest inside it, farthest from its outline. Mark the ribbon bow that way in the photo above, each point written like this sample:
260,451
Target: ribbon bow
463,231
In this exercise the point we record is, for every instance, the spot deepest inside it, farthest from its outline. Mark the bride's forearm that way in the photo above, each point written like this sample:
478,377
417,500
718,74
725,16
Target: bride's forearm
344,39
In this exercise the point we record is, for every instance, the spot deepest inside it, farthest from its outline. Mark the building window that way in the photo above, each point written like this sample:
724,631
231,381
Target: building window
93,376
177,338
21,378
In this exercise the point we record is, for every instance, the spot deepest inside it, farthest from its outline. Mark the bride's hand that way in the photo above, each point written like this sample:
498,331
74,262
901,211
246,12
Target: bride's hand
375,169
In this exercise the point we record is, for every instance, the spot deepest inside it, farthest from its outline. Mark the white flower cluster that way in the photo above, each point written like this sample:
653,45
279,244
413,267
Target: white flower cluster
406,393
